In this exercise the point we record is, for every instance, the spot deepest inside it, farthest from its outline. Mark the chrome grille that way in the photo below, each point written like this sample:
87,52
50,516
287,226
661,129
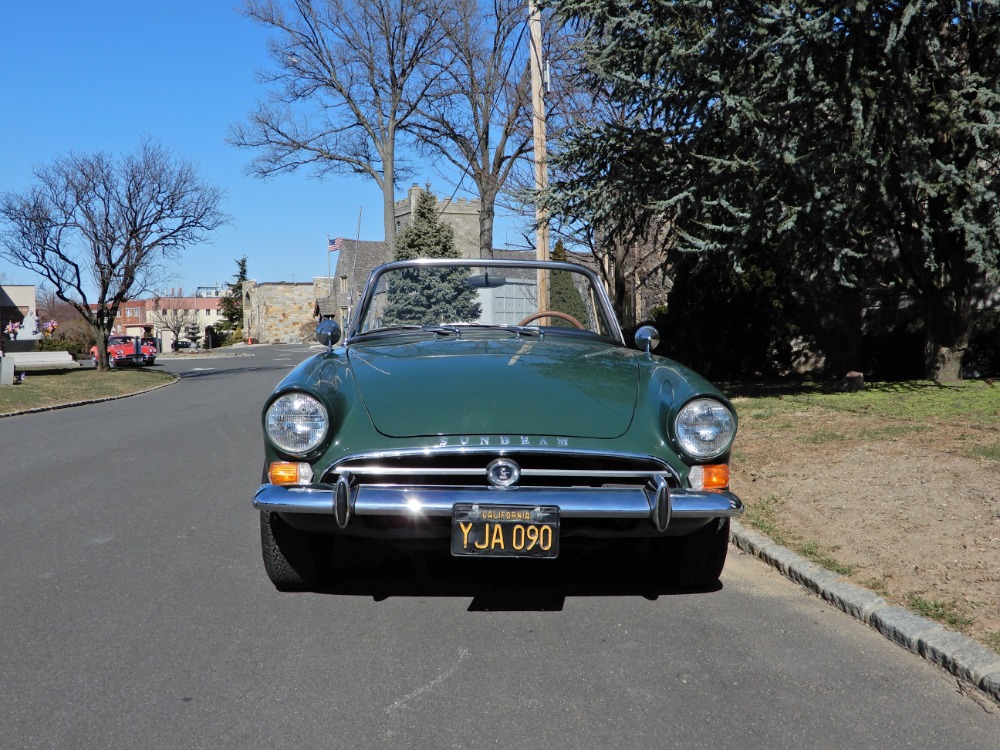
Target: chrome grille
538,469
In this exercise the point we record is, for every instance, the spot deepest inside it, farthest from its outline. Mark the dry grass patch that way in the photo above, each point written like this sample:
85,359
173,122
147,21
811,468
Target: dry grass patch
897,487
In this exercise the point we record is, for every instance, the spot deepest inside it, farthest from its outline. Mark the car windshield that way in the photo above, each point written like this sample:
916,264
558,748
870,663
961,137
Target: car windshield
450,298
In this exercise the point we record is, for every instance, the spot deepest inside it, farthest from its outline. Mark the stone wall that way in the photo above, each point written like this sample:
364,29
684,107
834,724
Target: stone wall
275,312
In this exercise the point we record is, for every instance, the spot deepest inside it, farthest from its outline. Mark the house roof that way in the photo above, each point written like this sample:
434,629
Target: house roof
356,261
326,307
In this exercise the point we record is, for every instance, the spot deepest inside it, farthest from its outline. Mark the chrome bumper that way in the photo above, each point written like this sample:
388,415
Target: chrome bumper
659,505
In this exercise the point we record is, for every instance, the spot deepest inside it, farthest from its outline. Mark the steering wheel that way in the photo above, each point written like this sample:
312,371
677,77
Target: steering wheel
553,314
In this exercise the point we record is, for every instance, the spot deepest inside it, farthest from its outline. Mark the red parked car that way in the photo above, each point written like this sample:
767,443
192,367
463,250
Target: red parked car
149,350
127,350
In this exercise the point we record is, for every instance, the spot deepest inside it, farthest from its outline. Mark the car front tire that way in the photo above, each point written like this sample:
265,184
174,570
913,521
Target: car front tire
697,559
289,557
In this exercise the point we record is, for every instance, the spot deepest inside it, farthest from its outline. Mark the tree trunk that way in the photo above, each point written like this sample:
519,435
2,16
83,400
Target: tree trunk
945,364
486,214
101,336
958,286
388,186
949,320
619,296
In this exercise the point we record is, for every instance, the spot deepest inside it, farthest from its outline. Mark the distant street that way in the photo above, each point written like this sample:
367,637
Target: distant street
136,613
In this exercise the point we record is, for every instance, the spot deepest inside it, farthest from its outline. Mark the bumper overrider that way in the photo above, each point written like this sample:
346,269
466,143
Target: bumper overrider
347,498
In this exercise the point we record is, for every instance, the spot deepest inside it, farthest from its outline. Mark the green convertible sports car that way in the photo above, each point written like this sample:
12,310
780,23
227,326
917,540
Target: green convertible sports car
492,407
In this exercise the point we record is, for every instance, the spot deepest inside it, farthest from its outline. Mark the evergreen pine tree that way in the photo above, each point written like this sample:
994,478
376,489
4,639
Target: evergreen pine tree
563,294
848,145
429,296
231,303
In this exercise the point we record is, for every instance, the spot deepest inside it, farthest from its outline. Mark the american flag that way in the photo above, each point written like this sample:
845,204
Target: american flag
334,245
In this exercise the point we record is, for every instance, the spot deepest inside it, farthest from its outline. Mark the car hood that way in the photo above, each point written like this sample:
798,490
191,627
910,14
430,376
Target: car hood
512,387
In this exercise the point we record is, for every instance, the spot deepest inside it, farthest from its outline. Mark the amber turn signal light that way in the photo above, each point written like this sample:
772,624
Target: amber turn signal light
709,477
288,472
716,476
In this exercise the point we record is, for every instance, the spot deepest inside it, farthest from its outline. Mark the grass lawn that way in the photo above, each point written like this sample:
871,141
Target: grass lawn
968,401
55,387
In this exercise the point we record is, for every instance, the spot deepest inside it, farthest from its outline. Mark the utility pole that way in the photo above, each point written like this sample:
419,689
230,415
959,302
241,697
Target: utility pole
538,131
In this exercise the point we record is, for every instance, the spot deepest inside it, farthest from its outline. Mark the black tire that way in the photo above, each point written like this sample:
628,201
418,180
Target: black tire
698,559
289,556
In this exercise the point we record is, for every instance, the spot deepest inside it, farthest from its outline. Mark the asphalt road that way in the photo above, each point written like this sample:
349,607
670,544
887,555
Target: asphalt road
135,613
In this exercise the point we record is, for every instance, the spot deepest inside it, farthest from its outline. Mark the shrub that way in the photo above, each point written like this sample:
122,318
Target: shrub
982,359
63,343
726,324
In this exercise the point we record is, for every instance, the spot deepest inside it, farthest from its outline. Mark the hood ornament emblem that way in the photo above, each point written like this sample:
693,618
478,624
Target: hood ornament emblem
503,472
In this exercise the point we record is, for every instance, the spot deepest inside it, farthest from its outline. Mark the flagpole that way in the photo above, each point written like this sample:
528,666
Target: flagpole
329,277
357,239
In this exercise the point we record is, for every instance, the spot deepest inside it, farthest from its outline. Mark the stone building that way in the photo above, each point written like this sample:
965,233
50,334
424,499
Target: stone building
461,214
354,265
358,257
282,312
277,312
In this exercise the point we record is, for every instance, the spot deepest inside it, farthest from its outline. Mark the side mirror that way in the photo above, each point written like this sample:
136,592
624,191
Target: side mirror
647,338
328,332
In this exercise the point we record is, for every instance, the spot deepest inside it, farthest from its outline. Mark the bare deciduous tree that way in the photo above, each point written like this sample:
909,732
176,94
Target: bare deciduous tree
349,75
478,116
172,314
93,222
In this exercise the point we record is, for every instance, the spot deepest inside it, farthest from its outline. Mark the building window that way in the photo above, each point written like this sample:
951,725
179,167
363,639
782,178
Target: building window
343,285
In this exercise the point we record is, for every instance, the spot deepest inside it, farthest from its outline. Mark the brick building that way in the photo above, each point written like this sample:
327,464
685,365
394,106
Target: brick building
149,317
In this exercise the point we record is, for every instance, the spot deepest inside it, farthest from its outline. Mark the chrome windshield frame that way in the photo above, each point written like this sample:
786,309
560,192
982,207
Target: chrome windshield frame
549,265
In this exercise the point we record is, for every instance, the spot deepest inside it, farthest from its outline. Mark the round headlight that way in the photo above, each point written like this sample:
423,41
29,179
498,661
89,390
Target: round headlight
705,428
296,422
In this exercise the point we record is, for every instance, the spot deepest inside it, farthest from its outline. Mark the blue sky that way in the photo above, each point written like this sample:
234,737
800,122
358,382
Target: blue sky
101,75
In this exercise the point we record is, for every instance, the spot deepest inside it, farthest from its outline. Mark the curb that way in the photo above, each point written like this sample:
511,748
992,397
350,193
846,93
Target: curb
965,659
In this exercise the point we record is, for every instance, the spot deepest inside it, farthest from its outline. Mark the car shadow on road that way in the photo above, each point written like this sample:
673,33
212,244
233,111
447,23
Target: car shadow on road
215,372
502,585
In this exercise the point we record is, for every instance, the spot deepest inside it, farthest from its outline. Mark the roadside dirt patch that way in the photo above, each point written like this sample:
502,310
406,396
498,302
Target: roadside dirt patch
909,509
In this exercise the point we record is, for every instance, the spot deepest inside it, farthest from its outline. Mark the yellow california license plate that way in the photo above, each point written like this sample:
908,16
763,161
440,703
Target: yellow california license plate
504,531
